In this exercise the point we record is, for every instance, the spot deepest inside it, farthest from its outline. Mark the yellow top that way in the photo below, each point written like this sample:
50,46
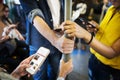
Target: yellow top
108,33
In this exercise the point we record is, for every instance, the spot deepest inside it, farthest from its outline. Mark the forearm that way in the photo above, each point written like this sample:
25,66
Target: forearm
44,29
102,49
35,17
15,75
4,38
61,76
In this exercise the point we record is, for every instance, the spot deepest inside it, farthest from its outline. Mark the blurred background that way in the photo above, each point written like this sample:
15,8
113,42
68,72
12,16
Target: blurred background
87,9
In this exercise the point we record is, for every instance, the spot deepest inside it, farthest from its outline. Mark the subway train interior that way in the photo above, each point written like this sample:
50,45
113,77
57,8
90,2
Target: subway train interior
67,39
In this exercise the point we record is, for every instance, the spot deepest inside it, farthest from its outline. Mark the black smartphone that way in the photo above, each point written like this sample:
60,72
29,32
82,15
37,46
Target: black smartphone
83,22
58,29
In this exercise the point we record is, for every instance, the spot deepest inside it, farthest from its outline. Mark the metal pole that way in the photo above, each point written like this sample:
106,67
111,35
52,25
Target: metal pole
67,16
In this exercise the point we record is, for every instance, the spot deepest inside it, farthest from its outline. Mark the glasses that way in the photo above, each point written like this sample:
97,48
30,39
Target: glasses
6,10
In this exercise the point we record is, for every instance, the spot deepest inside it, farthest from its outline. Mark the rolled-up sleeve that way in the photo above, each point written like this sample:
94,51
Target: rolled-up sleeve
31,9
33,13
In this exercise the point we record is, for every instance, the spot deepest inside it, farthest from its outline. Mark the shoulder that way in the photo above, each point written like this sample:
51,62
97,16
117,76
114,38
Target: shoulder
111,8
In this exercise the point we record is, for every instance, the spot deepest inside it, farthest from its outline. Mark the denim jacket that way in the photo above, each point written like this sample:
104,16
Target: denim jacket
40,8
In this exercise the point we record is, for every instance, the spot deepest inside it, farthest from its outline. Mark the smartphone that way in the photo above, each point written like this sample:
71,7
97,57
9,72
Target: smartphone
38,59
58,29
83,22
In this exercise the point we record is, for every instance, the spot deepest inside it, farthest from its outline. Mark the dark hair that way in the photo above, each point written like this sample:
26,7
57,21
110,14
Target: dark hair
4,6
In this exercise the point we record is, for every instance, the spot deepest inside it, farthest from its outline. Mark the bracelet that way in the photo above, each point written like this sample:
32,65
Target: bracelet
90,40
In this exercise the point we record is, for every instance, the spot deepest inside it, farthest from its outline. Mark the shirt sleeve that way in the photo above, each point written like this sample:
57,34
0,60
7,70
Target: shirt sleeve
31,9
33,13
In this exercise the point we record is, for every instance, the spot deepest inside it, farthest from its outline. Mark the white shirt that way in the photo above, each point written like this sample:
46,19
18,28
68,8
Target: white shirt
54,6
14,33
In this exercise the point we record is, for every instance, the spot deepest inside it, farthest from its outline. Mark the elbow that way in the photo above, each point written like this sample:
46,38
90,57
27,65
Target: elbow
112,55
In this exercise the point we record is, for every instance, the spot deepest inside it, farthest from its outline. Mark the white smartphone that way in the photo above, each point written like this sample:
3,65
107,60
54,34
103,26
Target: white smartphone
38,59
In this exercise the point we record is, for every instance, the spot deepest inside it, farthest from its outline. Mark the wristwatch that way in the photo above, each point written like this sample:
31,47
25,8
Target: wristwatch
60,78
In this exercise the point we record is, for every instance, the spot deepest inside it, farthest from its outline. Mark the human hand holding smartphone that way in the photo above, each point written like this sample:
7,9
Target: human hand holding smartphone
38,59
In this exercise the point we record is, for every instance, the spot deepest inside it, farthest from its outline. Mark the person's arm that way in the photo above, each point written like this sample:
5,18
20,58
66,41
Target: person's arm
65,69
44,29
12,26
5,31
36,17
61,43
4,39
21,69
74,29
17,34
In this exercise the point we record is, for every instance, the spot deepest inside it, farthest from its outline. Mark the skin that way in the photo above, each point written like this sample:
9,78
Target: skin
6,12
63,44
12,26
20,70
73,29
65,68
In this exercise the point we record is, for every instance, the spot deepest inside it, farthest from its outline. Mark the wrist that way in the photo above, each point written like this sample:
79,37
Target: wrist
88,39
15,75
54,40
61,75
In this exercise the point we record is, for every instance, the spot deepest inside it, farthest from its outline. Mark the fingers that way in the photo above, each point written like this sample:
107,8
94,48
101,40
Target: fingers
69,25
70,64
68,46
27,60
12,25
67,50
67,22
92,26
29,75
70,30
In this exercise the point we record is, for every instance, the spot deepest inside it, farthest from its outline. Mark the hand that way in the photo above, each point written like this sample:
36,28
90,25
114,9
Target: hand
4,38
19,35
93,27
65,45
74,30
21,69
65,68
12,26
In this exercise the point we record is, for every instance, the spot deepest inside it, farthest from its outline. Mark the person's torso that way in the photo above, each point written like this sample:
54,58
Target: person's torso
108,34
35,39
